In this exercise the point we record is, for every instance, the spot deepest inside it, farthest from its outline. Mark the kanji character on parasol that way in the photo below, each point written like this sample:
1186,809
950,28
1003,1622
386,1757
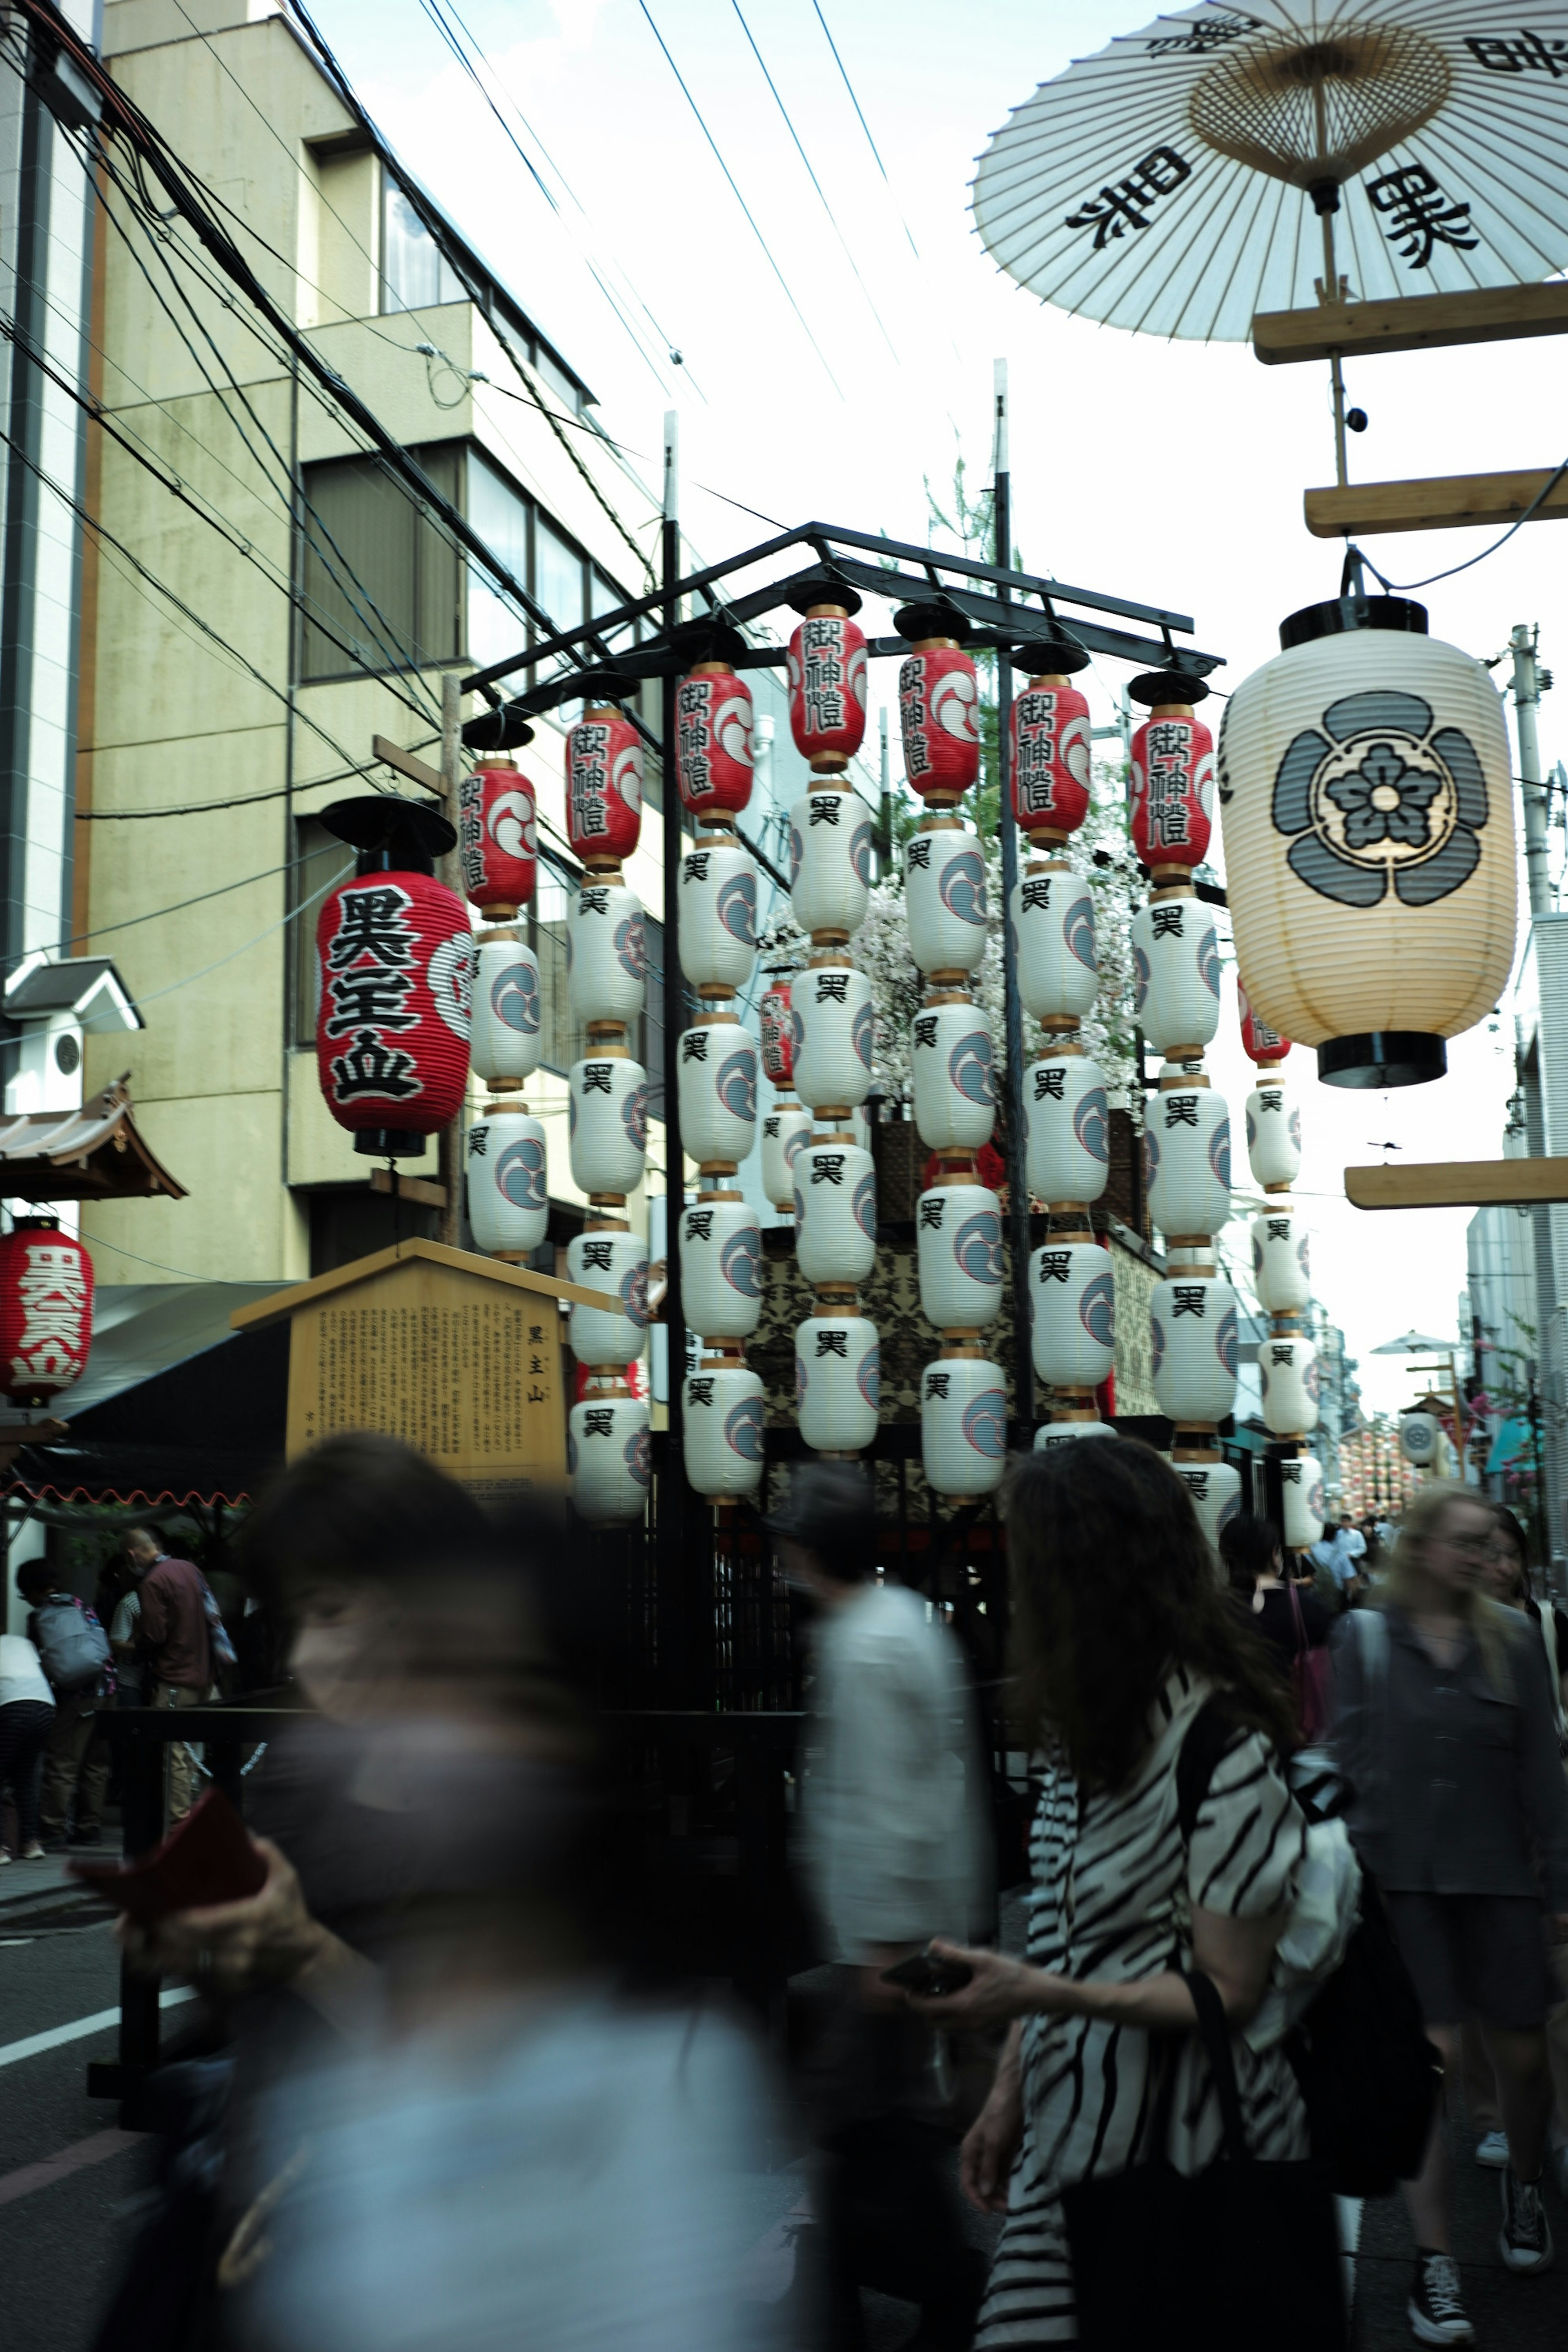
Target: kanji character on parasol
46,1309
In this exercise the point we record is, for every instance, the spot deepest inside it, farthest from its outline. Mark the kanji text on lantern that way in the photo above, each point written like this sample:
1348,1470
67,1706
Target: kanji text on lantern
52,1294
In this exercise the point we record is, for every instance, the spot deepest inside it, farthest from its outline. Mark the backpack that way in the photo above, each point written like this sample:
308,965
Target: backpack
1368,2077
73,1647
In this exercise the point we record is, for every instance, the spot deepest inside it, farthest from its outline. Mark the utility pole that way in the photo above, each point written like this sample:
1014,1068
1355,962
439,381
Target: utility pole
673,1579
450,1148
1012,1009
1528,680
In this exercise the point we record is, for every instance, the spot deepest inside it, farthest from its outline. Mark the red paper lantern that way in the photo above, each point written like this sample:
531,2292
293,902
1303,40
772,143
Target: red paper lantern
778,1034
498,836
714,738
1264,1045
46,1310
396,962
938,708
603,786
1173,787
1052,757
828,688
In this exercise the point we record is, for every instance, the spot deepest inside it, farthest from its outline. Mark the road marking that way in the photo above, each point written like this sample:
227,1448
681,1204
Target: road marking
12,2052
29,2176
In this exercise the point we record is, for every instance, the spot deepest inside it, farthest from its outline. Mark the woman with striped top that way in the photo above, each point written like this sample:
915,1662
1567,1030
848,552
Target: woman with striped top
1120,1636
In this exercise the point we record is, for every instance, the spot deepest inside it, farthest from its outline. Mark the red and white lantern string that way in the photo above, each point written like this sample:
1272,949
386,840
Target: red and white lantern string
507,1167
1171,776
46,1310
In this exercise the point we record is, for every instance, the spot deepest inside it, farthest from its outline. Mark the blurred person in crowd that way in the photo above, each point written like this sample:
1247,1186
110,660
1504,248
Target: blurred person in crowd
1121,1636
896,1849
74,1651
1444,1730
174,1638
1254,1559
445,2131
26,1717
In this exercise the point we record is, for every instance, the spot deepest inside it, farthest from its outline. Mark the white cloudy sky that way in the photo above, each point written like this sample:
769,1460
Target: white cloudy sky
1171,473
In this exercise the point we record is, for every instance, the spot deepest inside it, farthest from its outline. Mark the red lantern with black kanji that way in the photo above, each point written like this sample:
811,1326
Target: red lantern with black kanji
1173,772
714,740
46,1310
778,1034
395,956
603,786
938,719
1264,1045
827,685
498,836
1052,761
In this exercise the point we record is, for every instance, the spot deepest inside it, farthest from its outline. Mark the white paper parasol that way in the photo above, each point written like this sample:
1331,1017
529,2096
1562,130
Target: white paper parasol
1174,184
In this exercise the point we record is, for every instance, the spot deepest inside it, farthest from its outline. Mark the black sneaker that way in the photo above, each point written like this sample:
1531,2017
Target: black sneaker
1435,2312
1524,2242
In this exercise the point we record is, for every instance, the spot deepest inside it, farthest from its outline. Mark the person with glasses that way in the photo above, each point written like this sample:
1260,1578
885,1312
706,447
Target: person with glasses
1444,1730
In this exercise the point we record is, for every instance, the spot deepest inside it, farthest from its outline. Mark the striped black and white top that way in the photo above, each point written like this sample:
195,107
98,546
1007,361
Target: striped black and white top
1113,1890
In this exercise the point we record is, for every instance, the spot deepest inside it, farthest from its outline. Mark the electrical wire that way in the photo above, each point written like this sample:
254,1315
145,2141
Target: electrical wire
1408,587
244,949
64,947
865,126
252,799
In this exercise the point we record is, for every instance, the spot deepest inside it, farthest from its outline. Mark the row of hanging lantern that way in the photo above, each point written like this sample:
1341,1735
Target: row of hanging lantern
1281,1277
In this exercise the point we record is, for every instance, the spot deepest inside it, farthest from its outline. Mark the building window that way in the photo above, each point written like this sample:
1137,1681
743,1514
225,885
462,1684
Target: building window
556,377
415,273
320,860
380,578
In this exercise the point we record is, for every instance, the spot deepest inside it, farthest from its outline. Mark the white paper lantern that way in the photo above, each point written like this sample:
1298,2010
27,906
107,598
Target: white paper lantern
608,1453
1216,1490
1367,803
615,1264
1192,1328
721,1269
835,1212
1301,1486
1421,1439
722,1430
607,954
834,1027
607,1108
1052,918
717,916
1186,1160
1073,1314
1175,965
958,1238
1051,1434
717,1091
1066,1151
954,1077
944,900
507,1037
1281,1272
837,1381
964,1427
829,861
1288,1371
508,1198
1273,1135
785,1129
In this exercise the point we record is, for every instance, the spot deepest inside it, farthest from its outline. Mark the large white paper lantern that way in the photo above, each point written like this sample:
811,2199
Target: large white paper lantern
964,1427
958,1241
1422,1441
1186,1160
1281,1270
1273,1137
835,1212
829,861
721,1268
722,1430
1066,1147
718,908
508,1198
717,1091
607,1455
1288,1372
1367,803
1192,1328
1216,1489
954,1077
1175,965
1301,1486
944,899
616,1264
785,1129
606,953
837,1382
1052,1433
507,1036
1073,1314
1052,918
607,1109
834,1027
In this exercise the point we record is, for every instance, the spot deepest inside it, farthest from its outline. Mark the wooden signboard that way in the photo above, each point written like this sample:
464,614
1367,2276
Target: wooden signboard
1457,1184
457,1355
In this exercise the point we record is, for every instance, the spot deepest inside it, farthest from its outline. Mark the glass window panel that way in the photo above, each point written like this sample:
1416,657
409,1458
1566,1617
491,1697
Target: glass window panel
556,377
500,516
557,575
322,860
360,588
414,274
439,566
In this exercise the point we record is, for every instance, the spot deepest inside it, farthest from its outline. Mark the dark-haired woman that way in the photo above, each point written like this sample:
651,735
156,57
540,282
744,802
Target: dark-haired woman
1289,1622
1121,1637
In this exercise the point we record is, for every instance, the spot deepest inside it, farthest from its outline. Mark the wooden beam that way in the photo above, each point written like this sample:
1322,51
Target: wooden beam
1457,1184
279,1303
418,771
1446,503
1410,322
418,1189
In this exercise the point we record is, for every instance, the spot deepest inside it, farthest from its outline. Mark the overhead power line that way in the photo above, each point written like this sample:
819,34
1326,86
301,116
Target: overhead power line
865,126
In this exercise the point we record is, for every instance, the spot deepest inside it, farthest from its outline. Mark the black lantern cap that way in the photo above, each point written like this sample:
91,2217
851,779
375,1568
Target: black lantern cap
935,619
1152,686
809,588
706,641
1042,657
504,729
391,836
1342,614
1382,1057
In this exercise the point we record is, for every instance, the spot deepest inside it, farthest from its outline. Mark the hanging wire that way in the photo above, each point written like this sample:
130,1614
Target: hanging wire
864,125
1408,587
